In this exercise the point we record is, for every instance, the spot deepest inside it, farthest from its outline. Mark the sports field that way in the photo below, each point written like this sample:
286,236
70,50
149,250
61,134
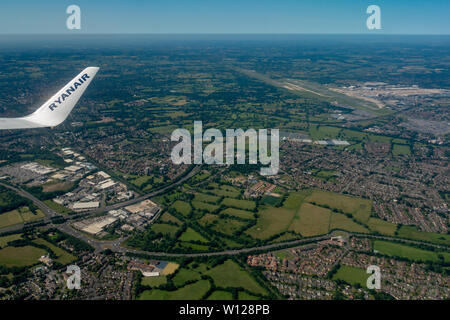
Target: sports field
229,274
20,256
409,252
352,275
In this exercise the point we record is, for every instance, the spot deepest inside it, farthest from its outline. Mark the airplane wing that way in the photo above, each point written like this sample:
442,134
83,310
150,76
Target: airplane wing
57,108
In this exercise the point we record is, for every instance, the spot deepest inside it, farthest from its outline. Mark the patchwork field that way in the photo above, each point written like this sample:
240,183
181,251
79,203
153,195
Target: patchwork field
204,206
271,221
19,216
311,220
202,197
342,222
358,207
185,275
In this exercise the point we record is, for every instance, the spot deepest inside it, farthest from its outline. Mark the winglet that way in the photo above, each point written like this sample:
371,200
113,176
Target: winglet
58,107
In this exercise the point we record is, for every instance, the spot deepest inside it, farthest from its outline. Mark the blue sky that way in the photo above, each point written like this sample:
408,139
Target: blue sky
225,16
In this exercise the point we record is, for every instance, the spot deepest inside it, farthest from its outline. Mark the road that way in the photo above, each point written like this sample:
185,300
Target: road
117,245
152,194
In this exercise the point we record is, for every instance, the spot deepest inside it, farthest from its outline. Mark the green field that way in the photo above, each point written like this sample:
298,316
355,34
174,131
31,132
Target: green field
141,181
231,275
19,216
63,256
220,295
352,275
191,235
201,176
153,281
323,132
20,256
10,218
184,275
271,221
208,219
411,232
182,207
271,200
381,226
204,206
203,197
228,226
400,149
167,217
239,213
358,207
239,204
408,252
165,229
340,221
242,295
6,239
224,191
193,291
311,220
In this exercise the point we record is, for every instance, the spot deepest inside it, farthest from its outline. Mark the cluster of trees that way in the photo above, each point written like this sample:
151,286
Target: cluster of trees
9,201
77,244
